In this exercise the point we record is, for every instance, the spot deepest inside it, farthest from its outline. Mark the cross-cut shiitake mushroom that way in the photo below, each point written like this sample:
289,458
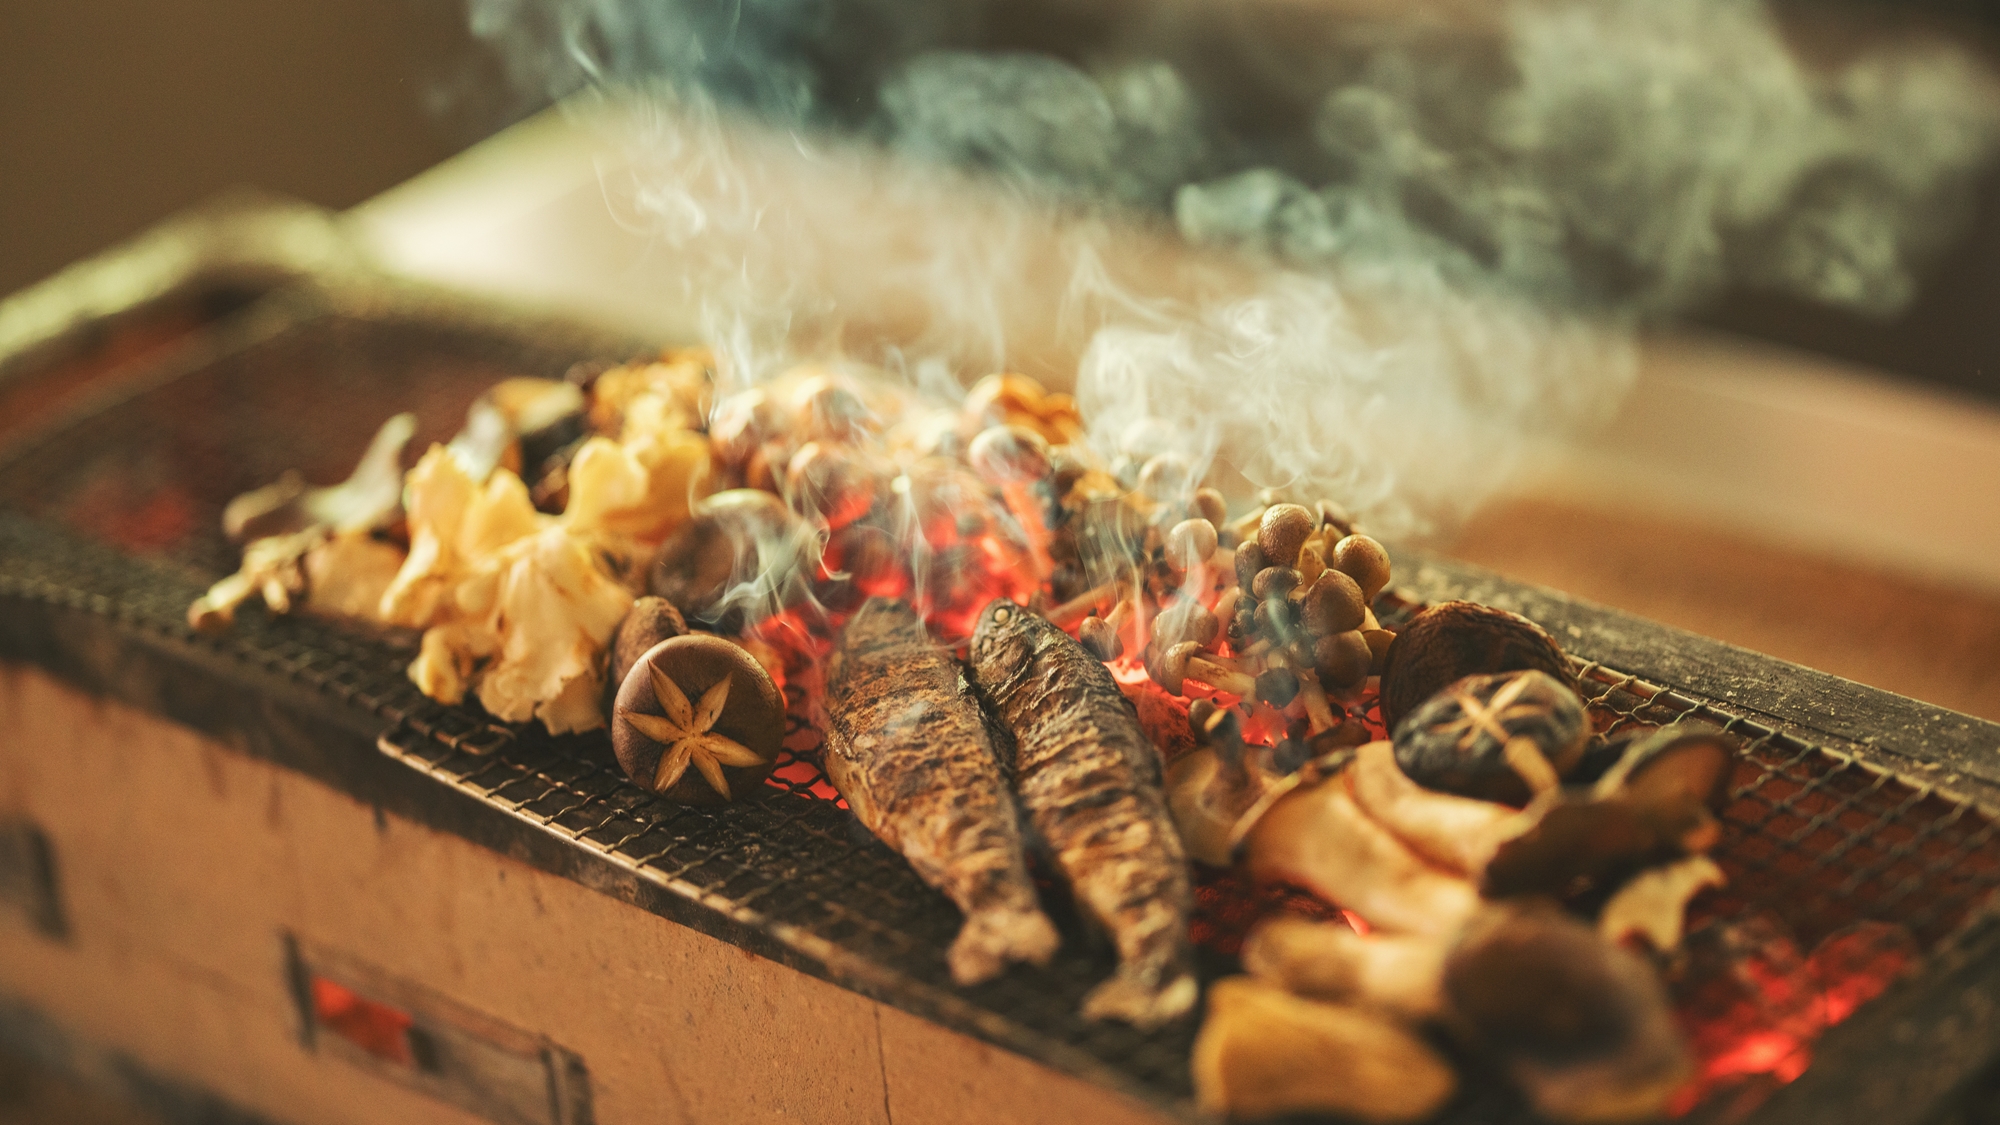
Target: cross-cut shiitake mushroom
1501,737
1453,640
1655,806
698,720
1263,1052
1583,1027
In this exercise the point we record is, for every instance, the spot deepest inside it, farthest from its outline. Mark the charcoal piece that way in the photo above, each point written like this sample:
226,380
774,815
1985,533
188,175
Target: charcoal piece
1457,742
1453,640
907,745
1091,784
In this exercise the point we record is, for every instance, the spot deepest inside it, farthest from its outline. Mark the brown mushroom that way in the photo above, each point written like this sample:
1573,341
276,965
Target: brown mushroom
1164,478
1180,661
1363,560
698,720
831,483
1452,640
1274,582
1249,563
1209,505
1262,1052
1101,638
1190,542
1379,641
1334,604
1009,455
1333,516
1341,659
828,409
1186,620
1583,1027
1282,531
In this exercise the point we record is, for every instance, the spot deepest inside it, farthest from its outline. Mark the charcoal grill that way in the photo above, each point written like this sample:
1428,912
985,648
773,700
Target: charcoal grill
1853,812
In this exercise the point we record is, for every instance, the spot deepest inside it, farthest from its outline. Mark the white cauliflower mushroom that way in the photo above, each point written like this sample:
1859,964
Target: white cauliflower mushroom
554,611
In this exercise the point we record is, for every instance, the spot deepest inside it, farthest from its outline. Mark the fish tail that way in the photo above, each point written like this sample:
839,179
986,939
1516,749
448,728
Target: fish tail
1139,996
995,936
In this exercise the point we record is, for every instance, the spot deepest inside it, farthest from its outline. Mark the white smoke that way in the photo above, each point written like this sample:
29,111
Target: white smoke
1444,259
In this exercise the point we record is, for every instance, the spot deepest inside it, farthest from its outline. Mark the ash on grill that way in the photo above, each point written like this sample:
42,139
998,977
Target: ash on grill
1154,682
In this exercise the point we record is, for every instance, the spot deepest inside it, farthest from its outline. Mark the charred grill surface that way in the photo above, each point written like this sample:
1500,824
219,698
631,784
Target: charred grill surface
1091,784
907,745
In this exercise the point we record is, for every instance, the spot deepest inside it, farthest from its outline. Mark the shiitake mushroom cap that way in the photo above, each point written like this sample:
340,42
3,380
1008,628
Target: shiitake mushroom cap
1456,741
651,619
738,559
1452,640
753,715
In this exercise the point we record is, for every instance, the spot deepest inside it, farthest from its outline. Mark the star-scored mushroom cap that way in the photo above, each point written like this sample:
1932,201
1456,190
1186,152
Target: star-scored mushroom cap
698,720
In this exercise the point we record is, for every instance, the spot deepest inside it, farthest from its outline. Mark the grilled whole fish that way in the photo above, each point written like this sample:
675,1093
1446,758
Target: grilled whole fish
907,745
1091,784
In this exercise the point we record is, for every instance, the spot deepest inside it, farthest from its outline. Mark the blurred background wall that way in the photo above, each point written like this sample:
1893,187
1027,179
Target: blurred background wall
114,113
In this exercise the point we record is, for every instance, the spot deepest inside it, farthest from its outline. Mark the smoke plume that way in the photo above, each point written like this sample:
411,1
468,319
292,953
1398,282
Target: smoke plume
1350,253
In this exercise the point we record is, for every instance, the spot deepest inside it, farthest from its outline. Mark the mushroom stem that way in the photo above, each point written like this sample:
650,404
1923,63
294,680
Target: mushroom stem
1319,714
1083,605
1221,678
1235,664
1120,614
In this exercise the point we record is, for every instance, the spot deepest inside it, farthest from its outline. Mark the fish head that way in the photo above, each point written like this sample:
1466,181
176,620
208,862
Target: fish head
1005,635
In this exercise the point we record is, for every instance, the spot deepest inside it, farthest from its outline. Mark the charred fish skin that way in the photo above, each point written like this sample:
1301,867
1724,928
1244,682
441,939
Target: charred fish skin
907,745
1091,783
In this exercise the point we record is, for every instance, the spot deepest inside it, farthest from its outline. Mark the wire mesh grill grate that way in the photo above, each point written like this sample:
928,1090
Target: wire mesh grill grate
1840,874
